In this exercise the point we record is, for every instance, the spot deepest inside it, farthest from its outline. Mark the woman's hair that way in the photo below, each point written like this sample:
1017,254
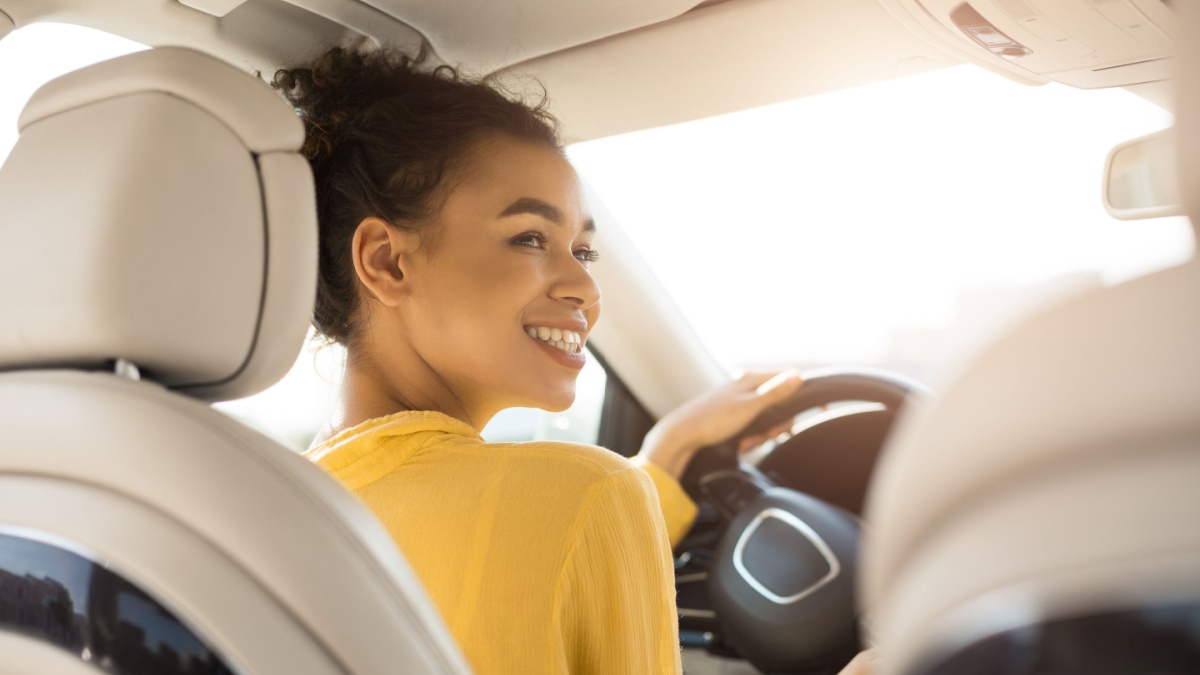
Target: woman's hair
384,137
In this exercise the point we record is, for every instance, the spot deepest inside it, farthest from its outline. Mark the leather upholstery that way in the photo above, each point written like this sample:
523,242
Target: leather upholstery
155,209
300,565
1057,475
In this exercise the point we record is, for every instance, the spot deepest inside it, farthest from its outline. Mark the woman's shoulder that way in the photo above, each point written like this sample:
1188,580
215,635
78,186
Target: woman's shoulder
583,465
590,458
605,489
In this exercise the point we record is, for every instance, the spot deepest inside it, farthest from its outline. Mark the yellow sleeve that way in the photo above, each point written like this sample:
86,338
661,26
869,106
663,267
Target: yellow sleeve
615,600
679,511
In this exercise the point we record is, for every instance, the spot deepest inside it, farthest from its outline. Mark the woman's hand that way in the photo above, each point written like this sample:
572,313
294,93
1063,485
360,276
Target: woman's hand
715,416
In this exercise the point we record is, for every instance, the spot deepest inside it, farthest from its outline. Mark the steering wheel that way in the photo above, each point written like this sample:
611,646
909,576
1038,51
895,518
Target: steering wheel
782,578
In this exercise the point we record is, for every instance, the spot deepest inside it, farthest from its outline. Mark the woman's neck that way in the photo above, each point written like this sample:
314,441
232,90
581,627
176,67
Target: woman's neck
372,388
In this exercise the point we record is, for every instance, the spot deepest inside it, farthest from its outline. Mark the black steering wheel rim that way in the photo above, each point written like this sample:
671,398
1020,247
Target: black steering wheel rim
821,387
818,634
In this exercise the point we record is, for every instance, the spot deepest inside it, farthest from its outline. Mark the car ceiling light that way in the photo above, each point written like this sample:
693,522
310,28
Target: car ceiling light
1082,43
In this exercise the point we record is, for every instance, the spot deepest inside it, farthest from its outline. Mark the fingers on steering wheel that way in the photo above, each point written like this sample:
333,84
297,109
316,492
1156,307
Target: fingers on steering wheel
779,386
750,442
750,380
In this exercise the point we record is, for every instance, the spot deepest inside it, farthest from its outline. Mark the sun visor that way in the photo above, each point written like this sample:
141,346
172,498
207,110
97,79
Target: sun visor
1088,44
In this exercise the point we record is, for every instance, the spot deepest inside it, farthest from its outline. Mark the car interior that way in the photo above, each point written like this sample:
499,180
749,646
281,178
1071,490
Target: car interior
1031,512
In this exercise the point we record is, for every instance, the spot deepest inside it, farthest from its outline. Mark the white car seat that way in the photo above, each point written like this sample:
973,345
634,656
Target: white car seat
158,251
1044,515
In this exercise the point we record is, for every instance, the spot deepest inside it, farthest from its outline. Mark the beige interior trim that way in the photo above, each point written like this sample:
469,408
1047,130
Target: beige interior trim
250,110
712,60
362,17
487,36
258,36
726,57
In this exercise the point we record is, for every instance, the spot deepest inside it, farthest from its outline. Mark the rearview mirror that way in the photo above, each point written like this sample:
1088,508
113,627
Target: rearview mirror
1140,178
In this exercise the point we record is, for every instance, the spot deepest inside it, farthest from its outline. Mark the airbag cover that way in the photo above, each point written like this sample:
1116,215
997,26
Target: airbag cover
783,583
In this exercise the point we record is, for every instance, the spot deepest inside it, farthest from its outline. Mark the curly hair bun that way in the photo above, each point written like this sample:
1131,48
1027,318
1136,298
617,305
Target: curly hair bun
339,86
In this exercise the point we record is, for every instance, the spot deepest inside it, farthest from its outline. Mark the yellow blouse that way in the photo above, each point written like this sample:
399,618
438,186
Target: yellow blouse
542,557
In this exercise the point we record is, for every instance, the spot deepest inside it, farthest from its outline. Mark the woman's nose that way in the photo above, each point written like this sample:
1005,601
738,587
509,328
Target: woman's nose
576,284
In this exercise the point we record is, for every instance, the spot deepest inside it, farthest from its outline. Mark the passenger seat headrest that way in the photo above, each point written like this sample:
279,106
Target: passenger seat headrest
1187,111
155,209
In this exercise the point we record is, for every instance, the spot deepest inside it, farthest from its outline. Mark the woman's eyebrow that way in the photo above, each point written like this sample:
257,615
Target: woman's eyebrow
538,207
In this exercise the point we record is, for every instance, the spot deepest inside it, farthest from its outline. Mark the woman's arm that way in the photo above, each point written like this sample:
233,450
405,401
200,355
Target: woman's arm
615,600
707,419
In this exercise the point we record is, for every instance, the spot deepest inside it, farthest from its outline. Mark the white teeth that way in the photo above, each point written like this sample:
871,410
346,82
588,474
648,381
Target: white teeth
566,340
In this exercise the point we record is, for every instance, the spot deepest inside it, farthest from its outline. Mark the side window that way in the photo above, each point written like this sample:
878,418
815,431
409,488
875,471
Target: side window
34,55
294,410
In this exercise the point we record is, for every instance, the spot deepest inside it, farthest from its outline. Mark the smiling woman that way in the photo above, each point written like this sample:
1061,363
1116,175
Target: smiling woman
460,287
454,261
430,241
497,263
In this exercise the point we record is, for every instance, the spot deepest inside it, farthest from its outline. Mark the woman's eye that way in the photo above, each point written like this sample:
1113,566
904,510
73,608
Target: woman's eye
587,255
530,239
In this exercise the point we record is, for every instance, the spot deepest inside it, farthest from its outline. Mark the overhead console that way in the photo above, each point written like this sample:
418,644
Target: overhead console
1084,43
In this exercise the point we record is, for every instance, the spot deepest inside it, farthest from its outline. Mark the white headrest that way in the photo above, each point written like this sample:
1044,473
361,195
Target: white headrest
1187,110
155,209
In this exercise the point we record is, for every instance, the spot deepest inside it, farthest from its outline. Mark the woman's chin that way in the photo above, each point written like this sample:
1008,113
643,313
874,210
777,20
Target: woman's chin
556,402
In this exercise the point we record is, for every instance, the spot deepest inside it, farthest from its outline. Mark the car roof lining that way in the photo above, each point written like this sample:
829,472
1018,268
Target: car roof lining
721,57
492,35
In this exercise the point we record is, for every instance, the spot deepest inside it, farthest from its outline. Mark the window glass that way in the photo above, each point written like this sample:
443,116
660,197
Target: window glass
900,224
297,407
294,409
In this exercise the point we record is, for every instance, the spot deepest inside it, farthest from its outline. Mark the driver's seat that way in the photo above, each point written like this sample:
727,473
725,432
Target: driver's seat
158,252
1042,517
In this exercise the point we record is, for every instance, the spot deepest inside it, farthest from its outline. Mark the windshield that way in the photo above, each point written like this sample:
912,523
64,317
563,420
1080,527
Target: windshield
891,225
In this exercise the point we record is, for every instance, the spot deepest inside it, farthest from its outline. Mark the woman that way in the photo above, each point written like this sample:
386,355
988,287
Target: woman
454,261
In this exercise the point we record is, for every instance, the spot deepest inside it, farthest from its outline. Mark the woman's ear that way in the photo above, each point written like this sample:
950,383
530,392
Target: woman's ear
382,258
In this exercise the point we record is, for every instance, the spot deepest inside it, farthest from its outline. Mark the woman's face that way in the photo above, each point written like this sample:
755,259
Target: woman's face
501,300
